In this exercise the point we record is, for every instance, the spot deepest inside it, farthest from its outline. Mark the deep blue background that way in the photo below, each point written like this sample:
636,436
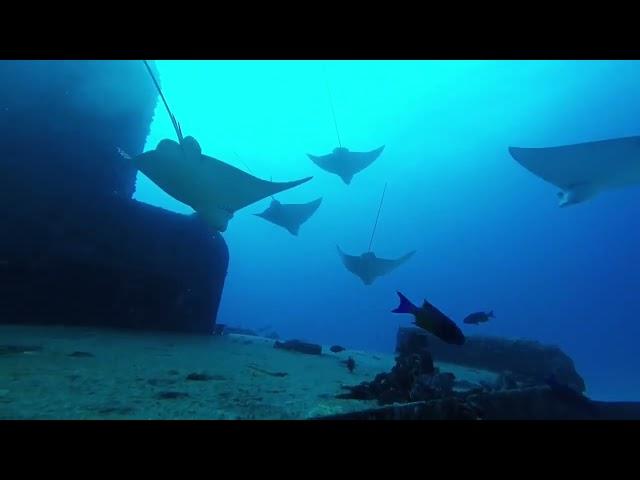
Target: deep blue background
489,234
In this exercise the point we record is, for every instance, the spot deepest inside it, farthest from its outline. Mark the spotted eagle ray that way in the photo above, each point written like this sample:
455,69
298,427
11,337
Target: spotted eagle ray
342,161
213,188
346,163
368,266
289,216
583,170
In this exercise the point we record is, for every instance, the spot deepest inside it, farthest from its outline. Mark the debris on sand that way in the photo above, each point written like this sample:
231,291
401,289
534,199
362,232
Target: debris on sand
298,346
266,372
114,410
16,349
82,355
204,377
171,395
161,382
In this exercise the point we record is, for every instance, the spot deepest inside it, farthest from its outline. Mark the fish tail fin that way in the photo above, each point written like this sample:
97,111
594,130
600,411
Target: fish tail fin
405,305
294,230
491,315
346,178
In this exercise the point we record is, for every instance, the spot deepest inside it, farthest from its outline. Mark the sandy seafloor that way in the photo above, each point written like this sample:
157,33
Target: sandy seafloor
128,370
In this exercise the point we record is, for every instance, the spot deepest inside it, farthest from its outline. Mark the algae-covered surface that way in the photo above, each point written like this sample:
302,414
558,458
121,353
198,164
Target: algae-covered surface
85,373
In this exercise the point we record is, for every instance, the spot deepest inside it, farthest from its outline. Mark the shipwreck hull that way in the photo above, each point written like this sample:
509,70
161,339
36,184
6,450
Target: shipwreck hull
75,248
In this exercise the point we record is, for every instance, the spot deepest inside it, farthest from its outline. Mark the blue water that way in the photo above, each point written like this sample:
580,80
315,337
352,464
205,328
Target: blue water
488,234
